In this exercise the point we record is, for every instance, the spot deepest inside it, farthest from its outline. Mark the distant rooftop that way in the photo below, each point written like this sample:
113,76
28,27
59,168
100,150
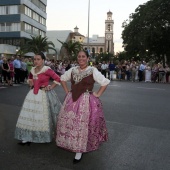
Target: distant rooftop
95,39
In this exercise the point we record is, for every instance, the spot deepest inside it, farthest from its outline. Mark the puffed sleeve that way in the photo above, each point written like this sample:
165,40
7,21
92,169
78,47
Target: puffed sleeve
53,75
67,75
99,78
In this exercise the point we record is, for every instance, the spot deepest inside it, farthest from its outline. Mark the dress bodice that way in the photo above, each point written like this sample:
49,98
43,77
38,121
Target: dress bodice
81,82
41,79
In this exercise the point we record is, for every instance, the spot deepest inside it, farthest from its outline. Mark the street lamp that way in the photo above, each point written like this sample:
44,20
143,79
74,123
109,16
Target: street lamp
88,26
16,49
55,55
146,54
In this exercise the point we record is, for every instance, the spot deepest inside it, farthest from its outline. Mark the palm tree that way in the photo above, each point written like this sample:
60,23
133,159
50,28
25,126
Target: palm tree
72,48
38,44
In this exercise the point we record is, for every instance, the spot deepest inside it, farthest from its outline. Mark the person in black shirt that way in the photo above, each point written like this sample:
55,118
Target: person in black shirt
6,72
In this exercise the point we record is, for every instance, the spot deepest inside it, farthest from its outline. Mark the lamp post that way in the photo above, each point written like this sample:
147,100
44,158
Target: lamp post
146,54
137,57
88,27
16,49
55,55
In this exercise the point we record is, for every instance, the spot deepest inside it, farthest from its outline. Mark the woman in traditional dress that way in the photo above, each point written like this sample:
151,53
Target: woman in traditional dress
36,122
81,125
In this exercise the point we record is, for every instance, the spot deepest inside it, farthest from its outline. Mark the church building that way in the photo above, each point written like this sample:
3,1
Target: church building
105,44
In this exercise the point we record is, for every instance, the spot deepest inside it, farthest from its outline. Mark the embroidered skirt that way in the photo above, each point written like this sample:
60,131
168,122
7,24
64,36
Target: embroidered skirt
37,118
81,125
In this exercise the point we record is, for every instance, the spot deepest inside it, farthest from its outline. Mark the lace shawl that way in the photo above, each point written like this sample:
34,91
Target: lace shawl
78,76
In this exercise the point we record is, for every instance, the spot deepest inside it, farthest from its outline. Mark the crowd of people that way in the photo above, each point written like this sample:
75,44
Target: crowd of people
16,70
136,71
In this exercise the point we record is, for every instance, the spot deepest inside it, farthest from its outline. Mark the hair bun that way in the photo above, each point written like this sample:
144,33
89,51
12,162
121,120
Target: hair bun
42,55
86,52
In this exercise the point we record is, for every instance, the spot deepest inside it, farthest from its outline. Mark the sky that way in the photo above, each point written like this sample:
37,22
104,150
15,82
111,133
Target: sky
67,14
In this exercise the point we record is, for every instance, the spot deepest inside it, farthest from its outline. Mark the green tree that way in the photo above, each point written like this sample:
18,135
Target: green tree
122,56
72,48
104,57
38,44
147,32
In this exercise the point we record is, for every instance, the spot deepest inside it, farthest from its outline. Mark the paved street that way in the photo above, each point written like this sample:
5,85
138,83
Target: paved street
138,121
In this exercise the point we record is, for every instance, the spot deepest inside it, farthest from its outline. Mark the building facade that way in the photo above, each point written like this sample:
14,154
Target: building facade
19,20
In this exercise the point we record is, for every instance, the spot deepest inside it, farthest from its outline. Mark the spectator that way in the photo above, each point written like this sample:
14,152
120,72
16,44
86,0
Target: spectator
6,72
104,66
147,73
17,69
111,70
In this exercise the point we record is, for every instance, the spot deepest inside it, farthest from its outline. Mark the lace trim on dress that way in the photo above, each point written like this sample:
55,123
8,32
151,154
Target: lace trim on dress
35,75
78,76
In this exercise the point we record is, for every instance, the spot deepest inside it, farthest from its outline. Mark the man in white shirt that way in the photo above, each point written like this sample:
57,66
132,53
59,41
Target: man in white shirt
17,69
104,66
141,70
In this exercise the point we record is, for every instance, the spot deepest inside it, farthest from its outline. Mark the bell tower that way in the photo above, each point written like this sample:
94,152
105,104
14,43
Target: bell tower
109,45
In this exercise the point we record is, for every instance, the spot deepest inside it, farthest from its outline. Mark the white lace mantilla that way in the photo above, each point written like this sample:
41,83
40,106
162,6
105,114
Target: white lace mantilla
78,76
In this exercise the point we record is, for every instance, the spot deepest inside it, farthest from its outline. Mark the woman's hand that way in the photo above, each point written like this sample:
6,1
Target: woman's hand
68,91
30,82
95,94
48,88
